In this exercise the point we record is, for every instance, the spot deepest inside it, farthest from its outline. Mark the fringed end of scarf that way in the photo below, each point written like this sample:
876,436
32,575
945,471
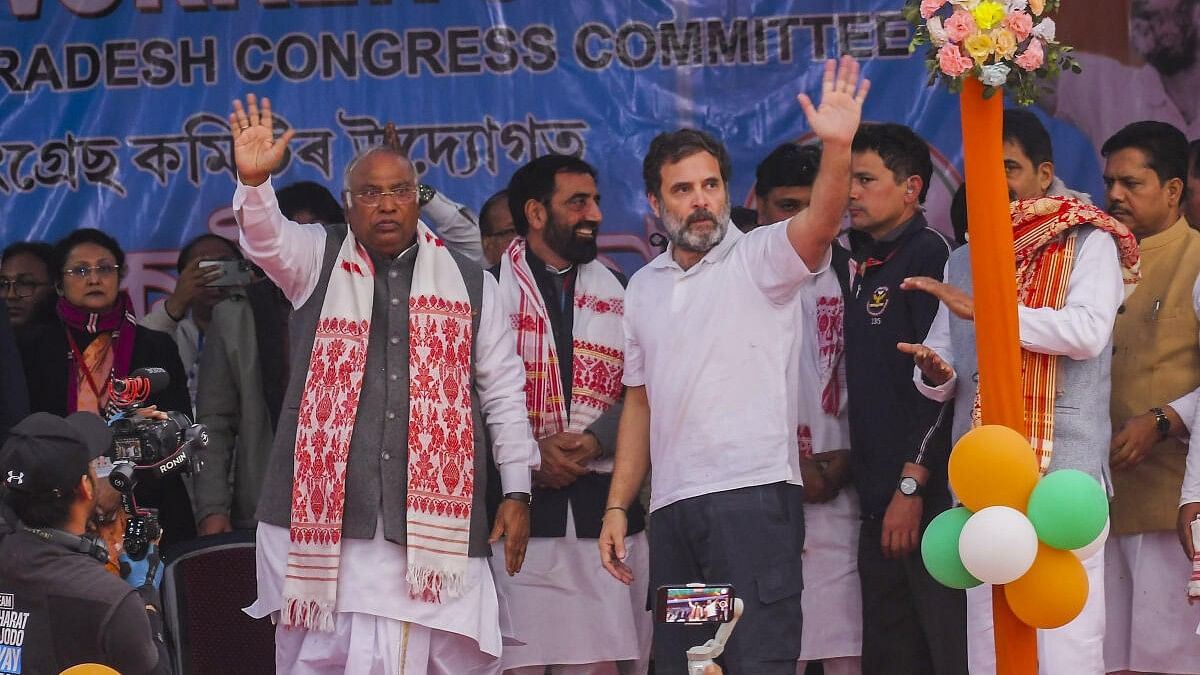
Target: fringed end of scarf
1043,449
308,615
431,585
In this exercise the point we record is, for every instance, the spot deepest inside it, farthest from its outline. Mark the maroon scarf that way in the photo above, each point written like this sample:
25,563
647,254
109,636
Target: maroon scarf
119,320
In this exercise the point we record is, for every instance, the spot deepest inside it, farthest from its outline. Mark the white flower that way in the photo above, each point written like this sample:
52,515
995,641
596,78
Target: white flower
965,4
1045,29
937,34
1015,6
994,75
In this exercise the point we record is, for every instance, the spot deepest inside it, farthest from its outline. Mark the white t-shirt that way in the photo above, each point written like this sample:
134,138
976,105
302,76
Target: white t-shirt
717,348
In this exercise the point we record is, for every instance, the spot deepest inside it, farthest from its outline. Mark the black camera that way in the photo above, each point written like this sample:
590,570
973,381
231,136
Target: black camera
140,531
160,445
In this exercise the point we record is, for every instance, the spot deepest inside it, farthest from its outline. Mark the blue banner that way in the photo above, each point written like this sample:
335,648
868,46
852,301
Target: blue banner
113,112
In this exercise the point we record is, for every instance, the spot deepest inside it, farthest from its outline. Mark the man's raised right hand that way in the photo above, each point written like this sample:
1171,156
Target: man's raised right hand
256,151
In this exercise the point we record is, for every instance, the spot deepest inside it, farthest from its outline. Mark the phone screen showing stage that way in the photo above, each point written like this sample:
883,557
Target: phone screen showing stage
695,603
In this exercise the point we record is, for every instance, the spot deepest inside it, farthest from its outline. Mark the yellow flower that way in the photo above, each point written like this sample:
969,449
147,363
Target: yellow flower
980,46
1006,43
1037,7
988,14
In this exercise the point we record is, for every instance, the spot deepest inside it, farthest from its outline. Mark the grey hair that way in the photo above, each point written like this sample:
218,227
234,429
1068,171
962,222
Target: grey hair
366,152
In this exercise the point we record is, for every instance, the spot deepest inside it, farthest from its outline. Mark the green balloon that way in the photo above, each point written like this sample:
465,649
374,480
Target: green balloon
939,549
1068,509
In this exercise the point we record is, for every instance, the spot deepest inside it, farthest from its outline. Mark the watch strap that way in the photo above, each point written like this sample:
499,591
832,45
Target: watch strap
523,497
425,194
1162,423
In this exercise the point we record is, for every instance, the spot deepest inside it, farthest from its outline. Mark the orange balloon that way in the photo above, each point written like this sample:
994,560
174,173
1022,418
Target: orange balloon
1052,592
89,669
993,465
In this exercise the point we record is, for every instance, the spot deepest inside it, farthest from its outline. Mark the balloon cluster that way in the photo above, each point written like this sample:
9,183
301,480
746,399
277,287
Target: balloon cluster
1016,528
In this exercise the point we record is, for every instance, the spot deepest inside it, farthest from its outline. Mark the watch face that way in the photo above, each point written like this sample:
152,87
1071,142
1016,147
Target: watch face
908,486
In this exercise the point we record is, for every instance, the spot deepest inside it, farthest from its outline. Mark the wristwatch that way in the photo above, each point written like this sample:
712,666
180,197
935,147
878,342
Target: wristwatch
1162,423
425,194
909,487
523,497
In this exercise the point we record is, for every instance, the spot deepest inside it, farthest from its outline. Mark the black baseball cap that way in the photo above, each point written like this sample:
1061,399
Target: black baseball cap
47,455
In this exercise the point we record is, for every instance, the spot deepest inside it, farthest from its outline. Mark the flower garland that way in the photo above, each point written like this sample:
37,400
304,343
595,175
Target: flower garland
1009,44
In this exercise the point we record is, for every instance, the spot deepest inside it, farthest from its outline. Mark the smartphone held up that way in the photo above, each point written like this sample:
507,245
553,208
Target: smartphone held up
233,272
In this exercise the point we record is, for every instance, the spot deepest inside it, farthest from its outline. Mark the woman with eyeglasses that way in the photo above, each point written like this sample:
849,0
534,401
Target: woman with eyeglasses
25,283
70,362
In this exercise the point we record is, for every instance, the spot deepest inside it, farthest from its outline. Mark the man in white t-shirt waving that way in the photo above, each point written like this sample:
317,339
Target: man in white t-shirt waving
712,350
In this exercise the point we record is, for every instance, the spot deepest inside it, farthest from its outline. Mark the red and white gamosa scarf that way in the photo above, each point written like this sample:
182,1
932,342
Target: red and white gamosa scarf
440,432
598,341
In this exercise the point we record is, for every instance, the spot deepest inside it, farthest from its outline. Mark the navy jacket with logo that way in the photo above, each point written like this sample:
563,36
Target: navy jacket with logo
890,421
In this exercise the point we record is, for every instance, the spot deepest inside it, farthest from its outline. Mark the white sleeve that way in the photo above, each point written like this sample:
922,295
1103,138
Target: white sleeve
634,373
456,225
293,261
773,264
158,319
1185,405
938,339
1082,328
500,381
1191,474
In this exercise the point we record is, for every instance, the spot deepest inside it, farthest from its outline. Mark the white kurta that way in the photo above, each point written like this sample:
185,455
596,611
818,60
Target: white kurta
567,609
832,597
371,579
1080,330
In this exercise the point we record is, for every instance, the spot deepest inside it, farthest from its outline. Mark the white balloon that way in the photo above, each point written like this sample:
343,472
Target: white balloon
1085,552
998,544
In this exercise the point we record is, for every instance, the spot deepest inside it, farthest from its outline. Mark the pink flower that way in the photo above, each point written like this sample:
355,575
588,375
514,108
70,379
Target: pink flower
959,26
1020,23
930,7
952,61
1031,59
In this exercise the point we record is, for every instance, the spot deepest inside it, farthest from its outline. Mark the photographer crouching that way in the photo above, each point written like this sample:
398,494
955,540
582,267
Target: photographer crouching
59,606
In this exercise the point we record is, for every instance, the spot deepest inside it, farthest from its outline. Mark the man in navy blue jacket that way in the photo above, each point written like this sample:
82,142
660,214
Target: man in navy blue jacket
899,439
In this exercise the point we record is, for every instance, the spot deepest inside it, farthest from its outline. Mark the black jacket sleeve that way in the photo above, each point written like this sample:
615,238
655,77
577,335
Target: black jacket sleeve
158,350
131,643
14,398
929,442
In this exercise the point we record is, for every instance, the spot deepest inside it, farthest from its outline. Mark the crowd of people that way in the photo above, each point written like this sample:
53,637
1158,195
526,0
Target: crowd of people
441,427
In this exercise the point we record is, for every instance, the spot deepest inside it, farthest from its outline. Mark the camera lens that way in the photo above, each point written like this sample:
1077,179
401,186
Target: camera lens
122,478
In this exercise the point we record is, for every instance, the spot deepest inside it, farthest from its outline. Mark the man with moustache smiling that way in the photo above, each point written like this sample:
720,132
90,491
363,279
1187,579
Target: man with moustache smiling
711,368
566,307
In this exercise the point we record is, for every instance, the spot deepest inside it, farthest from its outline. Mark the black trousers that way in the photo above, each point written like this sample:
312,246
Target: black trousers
912,625
751,538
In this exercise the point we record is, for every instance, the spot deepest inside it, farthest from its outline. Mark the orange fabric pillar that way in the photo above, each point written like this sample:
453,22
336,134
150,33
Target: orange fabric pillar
993,267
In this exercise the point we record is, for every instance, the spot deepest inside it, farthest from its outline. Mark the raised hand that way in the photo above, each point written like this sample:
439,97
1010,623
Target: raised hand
256,151
958,301
933,367
835,120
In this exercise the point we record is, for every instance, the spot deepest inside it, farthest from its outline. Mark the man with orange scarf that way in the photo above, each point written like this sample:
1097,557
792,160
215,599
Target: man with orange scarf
1075,265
